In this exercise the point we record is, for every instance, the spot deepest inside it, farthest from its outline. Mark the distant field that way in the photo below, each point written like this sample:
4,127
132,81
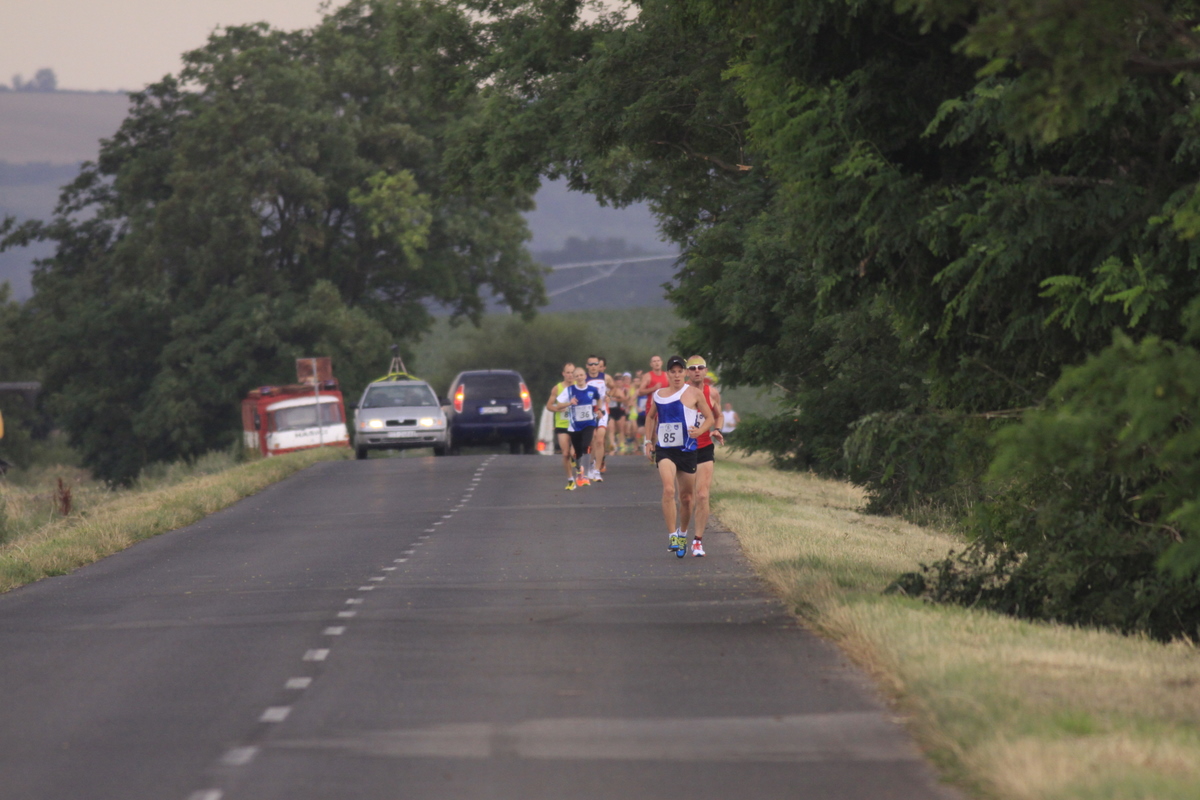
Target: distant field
57,127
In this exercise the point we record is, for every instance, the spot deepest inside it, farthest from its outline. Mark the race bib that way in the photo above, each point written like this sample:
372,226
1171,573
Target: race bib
583,413
670,434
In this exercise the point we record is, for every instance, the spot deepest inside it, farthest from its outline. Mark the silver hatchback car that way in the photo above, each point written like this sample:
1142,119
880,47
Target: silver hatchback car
399,414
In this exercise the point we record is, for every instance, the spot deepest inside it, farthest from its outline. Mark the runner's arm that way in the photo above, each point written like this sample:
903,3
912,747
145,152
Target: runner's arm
651,427
718,417
701,405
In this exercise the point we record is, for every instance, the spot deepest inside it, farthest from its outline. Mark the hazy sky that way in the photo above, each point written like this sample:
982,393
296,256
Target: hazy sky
124,44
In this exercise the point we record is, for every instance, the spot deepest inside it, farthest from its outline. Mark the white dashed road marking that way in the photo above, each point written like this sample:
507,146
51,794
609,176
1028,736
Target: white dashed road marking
275,714
316,655
206,794
354,601
334,630
239,756
298,683
348,614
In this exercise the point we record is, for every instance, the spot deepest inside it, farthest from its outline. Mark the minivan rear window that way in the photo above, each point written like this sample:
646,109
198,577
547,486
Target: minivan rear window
491,387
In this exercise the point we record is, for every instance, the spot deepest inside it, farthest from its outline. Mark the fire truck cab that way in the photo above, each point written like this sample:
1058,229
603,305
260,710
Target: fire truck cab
281,419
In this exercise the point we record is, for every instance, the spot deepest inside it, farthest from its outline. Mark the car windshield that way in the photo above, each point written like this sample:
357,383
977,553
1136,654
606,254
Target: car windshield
296,417
395,396
491,387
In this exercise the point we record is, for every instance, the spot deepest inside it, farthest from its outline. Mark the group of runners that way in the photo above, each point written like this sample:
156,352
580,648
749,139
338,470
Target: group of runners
674,415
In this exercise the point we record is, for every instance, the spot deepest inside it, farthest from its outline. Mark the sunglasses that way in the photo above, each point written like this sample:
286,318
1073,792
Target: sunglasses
593,363
698,367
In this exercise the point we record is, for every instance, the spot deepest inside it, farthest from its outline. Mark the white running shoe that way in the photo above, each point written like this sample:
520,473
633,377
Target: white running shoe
697,547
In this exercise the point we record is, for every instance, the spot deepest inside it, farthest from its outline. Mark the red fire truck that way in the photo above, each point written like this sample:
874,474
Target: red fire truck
281,419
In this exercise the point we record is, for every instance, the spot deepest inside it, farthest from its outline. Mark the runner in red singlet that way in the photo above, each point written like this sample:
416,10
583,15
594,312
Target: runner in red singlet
652,381
697,372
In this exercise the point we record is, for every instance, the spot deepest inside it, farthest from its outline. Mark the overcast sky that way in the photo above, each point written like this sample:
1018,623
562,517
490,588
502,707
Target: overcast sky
124,44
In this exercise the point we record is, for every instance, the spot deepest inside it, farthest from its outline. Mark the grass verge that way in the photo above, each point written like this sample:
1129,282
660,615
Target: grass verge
1007,709
41,543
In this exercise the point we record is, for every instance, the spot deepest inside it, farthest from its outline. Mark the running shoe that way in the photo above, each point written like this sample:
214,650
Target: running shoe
570,486
673,541
697,547
582,481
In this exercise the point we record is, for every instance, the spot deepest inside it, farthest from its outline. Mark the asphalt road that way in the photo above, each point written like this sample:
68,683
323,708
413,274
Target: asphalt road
433,628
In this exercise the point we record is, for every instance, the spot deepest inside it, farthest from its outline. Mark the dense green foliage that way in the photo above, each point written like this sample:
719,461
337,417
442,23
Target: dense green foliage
910,216
958,236
282,196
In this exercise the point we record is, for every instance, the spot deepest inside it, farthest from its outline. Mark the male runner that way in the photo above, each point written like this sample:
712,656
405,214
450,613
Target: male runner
582,402
652,380
562,422
673,423
697,372
616,416
600,381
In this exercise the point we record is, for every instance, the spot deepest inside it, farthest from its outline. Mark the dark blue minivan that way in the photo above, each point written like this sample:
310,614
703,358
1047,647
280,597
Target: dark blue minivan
488,407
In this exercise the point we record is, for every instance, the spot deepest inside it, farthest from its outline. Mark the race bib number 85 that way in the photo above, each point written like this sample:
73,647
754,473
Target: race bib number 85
670,434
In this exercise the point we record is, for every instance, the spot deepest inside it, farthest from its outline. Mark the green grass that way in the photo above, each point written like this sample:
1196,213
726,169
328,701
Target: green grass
1006,709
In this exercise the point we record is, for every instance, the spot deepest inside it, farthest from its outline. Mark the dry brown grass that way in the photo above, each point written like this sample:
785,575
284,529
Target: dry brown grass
1009,709
105,521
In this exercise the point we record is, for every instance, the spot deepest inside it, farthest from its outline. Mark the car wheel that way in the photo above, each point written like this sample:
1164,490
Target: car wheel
514,448
439,449
531,447
451,445
360,453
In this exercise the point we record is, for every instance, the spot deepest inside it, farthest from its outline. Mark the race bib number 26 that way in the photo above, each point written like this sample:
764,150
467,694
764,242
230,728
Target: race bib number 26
670,434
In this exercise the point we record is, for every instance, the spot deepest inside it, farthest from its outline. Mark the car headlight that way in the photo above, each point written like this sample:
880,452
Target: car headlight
374,423
427,422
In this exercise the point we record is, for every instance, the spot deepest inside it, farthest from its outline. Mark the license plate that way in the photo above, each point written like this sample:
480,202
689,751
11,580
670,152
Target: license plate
493,410
403,434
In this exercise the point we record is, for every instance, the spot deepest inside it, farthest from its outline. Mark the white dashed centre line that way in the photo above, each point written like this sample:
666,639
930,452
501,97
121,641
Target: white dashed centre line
206,794
316,655
354,601
334,630
347,614
447,516
389,569
239,756
430,530
366,588
298,683
377,578
275,714
401,560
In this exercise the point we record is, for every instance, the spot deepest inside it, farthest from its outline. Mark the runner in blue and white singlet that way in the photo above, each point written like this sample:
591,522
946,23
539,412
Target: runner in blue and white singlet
673,422
582,404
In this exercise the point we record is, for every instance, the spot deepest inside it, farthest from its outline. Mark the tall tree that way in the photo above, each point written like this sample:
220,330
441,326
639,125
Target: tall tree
285,190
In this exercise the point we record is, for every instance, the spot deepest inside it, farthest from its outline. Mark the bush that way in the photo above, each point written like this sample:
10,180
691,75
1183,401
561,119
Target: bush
1093,513
912,464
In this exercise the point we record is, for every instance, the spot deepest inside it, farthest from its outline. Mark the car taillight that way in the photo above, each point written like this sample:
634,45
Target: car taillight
526,400
458,399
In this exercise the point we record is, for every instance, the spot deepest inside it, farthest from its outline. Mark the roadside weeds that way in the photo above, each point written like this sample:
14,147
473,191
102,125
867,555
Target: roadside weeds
107,521
1007,709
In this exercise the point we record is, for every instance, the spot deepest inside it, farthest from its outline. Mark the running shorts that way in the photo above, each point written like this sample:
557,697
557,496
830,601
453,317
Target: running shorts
581,440
705,454
557,431
617,414
641,419
684,460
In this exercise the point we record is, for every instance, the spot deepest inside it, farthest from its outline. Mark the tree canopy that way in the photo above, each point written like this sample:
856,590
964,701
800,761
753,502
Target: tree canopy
284,193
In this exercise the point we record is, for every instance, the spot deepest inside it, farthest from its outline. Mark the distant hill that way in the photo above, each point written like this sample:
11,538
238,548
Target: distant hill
45,136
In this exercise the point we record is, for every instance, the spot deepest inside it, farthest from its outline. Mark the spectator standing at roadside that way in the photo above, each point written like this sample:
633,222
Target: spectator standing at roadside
730,419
